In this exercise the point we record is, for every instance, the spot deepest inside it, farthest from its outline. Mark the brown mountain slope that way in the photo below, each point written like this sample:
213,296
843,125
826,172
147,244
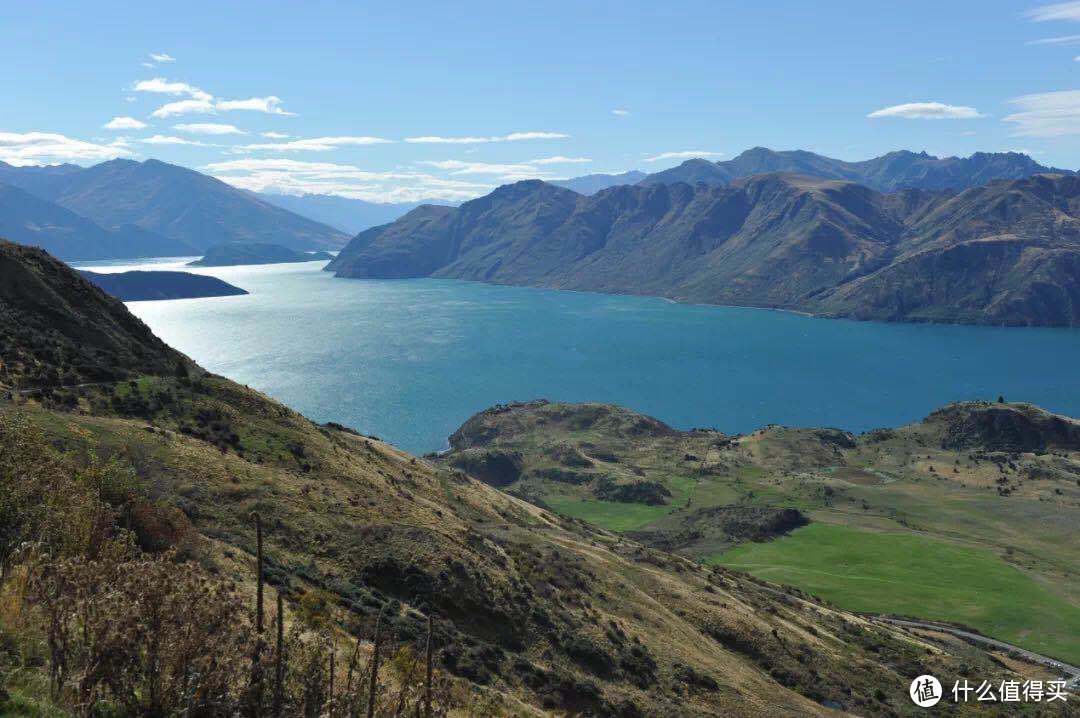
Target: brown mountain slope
787,241
548,614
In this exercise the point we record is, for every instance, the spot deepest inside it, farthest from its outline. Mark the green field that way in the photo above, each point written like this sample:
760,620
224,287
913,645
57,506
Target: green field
909,574
618,516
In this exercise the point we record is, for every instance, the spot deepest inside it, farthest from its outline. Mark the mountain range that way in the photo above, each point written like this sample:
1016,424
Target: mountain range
890,172
99,212
1004,253
123,208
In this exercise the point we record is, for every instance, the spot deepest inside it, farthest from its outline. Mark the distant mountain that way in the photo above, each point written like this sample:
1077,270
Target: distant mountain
896,170
145,286
591,184
172,201
348,215
1008,253
29,220
237,253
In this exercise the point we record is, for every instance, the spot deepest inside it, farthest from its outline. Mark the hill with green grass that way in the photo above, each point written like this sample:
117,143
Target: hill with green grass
968,516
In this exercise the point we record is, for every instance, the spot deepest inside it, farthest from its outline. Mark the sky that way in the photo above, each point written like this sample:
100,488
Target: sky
403,101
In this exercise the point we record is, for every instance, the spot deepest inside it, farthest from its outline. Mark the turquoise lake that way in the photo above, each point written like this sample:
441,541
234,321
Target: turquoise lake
410,360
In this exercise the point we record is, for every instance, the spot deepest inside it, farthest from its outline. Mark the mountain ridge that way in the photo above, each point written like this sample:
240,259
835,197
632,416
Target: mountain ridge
823,246
897,170
175,202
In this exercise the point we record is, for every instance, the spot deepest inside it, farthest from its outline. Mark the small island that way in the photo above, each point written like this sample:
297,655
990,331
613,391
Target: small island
240,253
139,286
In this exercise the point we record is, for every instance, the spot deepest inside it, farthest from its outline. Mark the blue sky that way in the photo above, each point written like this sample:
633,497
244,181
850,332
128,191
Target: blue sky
402,101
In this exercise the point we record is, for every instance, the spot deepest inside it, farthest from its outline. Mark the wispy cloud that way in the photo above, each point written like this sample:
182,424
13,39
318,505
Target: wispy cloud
170,140
184,107
1047,114
162,57
1057,11
162,86
209,128
927,111
287,176
275,135
507,172
201,101
270,105
314,144
33,148
1062,40
560,160
473,140
124,123
620,112
682,154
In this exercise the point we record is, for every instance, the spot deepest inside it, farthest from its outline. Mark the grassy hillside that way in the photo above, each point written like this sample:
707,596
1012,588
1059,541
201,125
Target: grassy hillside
984,498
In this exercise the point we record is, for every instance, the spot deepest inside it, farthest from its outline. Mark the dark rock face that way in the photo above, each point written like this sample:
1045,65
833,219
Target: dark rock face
495,467
1005,427
650,493
727,523
1006,253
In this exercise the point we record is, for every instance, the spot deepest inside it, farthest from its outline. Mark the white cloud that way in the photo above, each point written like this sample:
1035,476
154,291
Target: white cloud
163,86
620,112
682,154
184,107
161,57
124,123
149,65
201,101
505,171
275,135
927,111
129,99
560,160
469,140
33,148
209,128
315,144
1063,40
270,105
169,140
1057,11
1047,114
287,176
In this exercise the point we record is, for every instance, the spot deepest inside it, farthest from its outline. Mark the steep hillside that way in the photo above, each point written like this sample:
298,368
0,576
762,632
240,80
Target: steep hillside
172,201
27,219
1004,253
535,613
888,173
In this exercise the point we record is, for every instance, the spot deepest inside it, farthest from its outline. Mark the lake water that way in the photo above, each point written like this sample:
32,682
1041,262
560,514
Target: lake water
410,360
